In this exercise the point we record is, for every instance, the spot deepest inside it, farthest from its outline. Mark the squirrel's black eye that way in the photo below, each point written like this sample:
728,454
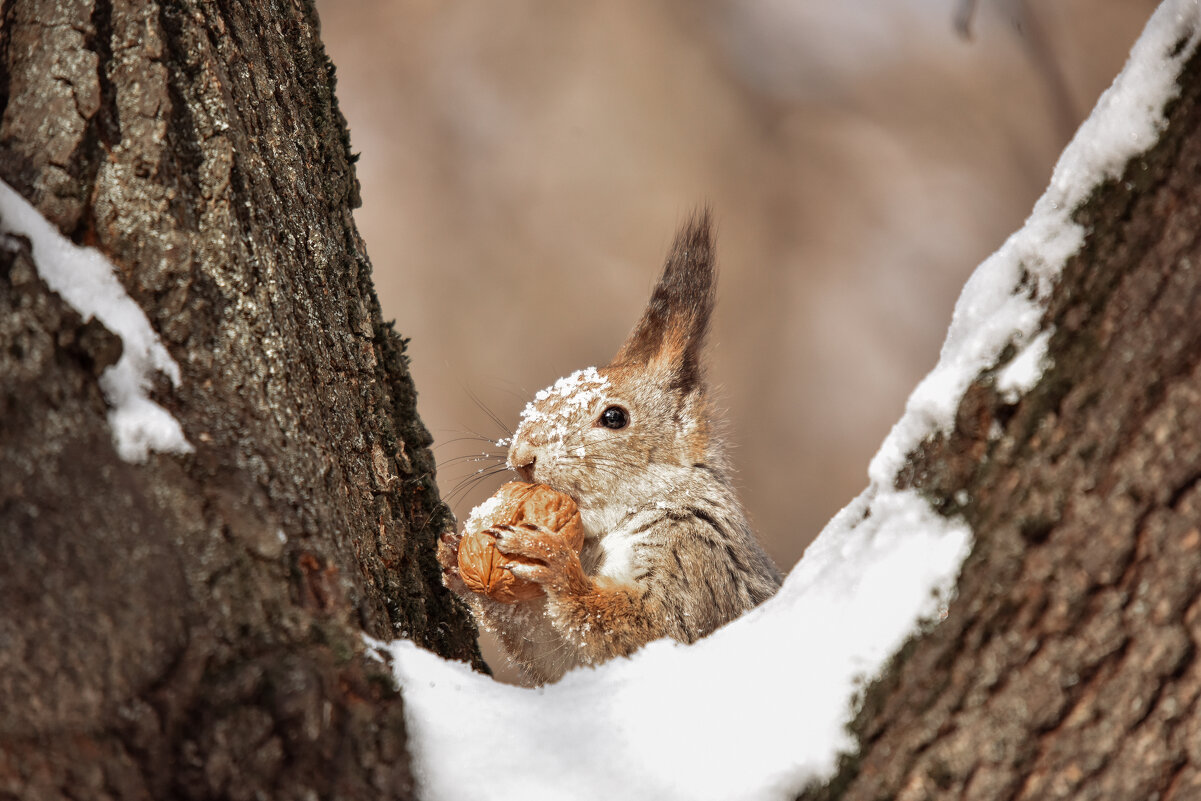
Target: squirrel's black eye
614,417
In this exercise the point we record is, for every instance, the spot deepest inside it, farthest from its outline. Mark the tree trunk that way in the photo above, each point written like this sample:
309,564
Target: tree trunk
189,626
1067,666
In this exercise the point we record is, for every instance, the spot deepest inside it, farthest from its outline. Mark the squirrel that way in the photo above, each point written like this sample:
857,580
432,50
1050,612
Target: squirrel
668,550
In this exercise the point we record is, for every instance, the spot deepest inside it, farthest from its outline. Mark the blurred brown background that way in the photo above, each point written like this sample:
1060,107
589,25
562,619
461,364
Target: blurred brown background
525,164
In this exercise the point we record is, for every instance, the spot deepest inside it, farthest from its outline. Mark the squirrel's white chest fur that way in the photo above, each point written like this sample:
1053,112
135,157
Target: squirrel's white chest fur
615,530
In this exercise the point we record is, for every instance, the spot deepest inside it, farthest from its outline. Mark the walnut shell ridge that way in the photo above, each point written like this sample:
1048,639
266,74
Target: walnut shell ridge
482,566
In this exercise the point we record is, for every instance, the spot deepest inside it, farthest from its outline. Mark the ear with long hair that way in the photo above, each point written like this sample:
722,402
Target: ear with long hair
670,336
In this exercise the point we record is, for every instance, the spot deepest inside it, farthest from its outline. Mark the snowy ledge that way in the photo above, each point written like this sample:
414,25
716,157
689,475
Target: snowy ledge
760,709
88,281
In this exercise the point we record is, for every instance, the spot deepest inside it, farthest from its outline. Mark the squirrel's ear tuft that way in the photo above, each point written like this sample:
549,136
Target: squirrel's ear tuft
671,334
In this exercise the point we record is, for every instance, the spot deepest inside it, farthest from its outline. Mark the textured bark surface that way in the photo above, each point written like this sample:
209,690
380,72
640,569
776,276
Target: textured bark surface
188,627
1068,665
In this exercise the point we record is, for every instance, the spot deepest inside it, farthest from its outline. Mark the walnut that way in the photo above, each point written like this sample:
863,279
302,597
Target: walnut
482,567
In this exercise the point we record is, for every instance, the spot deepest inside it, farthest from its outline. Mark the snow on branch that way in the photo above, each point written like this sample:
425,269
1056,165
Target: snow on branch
87,280
760,708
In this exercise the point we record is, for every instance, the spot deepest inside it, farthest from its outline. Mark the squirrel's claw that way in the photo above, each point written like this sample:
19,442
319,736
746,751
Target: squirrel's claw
556,567
531,542
448,551
447,555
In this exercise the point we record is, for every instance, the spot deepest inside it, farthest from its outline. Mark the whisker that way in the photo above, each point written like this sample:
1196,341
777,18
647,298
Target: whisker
521,393
472,480
491,414
471,437
477,436
473,457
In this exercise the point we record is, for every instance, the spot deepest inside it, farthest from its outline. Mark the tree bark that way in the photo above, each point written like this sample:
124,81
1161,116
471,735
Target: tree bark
1067,666
190,627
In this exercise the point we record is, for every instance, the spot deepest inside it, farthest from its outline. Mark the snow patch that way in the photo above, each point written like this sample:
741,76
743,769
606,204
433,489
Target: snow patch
553,408
484,511
1025,369
87,280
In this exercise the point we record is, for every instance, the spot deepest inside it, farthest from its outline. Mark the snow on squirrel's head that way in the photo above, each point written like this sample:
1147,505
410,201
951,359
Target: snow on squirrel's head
634,429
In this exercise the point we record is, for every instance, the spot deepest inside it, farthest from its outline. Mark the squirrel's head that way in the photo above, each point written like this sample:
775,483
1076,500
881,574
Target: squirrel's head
624,432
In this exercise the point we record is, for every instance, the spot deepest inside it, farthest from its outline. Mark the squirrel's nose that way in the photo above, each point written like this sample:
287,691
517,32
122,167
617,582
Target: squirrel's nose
521,460
526,471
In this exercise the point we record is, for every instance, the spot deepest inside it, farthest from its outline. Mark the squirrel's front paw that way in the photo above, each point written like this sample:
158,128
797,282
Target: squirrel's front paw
554,565
448,558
